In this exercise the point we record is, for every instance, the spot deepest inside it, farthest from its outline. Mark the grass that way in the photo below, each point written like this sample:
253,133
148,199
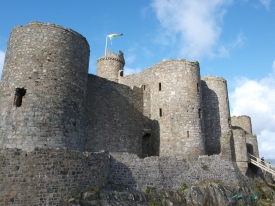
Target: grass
77,197
204,167
183,187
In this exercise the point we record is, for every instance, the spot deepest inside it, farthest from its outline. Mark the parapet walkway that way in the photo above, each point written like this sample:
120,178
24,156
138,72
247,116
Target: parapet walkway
266,166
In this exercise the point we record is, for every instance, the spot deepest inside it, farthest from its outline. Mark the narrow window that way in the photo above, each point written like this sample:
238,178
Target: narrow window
187,134
198,88
200,115
160,112
144,87
159,86
121,73
19,93
229,123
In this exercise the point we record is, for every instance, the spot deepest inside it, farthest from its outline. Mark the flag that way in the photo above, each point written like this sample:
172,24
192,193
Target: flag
111,36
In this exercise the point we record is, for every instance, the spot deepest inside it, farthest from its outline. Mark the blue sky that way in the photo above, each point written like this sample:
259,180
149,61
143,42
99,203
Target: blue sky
233,39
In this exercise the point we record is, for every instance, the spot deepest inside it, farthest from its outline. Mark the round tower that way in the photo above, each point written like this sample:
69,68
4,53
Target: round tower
216,112
110,66
176,106
243,122
43,88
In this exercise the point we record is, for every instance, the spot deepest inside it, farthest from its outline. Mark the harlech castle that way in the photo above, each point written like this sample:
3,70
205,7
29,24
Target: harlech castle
64,130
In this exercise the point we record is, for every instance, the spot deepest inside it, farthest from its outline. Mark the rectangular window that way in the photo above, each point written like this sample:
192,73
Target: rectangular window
160,112
200,115
19,94
187,134
144,87
159,86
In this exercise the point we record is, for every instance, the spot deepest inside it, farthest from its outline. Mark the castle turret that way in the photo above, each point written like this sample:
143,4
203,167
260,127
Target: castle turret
216,112
43,88
110,66
244,122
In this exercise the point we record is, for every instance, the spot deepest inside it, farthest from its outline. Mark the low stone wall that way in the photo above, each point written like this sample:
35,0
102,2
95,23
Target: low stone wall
49,177
169,172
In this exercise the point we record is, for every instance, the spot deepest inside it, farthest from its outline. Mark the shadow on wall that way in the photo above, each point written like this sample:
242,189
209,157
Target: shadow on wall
115,121
212,125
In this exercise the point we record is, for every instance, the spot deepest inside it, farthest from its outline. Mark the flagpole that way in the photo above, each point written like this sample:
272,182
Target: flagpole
106,44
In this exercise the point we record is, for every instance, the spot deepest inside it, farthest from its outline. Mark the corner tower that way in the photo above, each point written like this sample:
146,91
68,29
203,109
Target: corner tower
110,66
244,122
44,88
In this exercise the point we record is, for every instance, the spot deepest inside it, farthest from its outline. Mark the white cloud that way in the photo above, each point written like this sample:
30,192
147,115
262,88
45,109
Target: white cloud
128,71
196,22
266,3
256,98
2,58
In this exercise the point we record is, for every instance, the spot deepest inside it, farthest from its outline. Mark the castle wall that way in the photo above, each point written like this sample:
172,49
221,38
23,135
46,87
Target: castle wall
175,101
114,117
227,146
46,66
110,66
169,172
215,111
49,177
240,149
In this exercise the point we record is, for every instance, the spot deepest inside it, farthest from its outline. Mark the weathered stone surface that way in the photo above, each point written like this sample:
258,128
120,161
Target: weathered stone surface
215,111
170,172
46,68
49,177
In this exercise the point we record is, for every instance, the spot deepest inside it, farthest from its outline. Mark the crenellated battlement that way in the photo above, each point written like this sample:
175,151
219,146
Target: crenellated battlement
112,56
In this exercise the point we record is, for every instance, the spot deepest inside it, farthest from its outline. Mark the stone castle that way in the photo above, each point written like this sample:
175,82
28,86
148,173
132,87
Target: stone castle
50,105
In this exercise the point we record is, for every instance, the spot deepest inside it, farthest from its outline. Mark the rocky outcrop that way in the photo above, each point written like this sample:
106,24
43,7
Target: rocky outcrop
111,195
211,194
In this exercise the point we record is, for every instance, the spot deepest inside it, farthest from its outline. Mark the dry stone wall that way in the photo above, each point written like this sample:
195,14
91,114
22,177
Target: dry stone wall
49,177
43,88
176,106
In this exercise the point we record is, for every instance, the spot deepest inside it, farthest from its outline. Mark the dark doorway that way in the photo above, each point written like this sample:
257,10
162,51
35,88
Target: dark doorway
145,145
250,149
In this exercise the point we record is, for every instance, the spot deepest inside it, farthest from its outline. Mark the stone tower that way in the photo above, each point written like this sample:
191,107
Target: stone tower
174,106
110,66
43,88
244,122
216,112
